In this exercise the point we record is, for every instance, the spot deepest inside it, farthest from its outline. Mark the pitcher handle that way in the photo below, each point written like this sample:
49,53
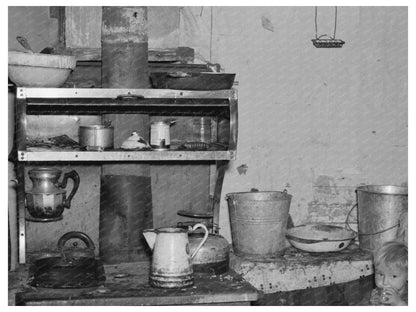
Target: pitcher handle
196,226
73,175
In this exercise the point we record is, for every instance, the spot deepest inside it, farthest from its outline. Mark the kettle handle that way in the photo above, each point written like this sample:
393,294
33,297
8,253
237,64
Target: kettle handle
75,234
73,175
196,226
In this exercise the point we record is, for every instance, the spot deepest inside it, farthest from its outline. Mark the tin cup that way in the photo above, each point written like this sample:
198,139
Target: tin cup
160,135
382,293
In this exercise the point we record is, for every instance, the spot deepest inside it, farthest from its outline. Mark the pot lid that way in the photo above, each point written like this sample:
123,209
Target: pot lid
96,127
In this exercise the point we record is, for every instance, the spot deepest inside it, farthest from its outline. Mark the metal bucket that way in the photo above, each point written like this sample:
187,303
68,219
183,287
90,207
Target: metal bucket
379,210
258,222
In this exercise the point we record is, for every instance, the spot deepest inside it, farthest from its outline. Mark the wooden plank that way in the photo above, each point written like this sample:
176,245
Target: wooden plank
221,166
125,156
180,54
56,93
158,66
178,187
83,27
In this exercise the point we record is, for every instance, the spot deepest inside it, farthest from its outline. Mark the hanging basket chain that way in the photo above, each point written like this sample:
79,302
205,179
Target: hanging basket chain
316,23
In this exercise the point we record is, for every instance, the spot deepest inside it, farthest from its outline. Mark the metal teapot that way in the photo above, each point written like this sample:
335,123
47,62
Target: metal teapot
214,256
47,199
71,266
171,262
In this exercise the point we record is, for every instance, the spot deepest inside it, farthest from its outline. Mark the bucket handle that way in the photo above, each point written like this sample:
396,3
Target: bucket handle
347,224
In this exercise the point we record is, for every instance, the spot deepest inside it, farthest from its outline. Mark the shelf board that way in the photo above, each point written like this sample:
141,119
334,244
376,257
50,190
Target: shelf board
103,93
124,156
126,101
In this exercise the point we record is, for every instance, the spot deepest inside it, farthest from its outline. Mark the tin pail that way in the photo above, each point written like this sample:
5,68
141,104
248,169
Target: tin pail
258,222
379,211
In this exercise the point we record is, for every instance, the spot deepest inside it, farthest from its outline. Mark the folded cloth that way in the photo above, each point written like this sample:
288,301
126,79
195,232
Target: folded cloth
135,141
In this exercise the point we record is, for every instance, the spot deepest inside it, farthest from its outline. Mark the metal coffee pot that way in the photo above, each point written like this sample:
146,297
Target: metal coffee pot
171,262
47,199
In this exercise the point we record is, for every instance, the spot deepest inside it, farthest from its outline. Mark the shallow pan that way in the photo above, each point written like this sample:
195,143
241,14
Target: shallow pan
318,237
192,81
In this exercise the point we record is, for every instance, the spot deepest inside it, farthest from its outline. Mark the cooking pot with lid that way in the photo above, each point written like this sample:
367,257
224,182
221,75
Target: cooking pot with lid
96,137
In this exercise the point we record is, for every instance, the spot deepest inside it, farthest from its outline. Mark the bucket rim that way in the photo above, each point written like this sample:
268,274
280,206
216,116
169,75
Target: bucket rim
384,189
258,192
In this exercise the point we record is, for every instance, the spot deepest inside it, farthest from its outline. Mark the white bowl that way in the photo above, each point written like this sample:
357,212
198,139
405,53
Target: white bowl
39,70
318,237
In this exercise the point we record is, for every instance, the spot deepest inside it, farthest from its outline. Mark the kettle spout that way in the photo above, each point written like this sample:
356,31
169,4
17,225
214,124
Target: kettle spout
150,236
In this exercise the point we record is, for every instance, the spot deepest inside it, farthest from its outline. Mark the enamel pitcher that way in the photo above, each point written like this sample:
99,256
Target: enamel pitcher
171,262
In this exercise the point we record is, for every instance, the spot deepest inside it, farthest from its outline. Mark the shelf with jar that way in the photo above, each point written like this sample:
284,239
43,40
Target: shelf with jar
219,105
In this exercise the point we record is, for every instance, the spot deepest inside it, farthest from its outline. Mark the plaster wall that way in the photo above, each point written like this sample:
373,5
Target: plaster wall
317,122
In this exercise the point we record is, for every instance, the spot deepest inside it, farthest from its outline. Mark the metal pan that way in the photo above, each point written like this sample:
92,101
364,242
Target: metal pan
318,237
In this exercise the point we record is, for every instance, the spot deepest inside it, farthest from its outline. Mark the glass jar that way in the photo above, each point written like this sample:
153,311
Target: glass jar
201,129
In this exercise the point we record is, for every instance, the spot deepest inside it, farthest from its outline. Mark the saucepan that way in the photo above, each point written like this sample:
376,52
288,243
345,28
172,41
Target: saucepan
96,137
320,237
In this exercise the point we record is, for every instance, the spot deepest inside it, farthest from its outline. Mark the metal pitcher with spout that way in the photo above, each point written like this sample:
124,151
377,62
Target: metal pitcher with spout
172,262
47,199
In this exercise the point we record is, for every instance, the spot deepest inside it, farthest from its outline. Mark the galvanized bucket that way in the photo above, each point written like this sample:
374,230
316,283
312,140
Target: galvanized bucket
258,222
379,211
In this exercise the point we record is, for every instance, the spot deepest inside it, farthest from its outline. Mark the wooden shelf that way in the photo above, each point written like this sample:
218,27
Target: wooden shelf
40,101
219,104
101,93
124,156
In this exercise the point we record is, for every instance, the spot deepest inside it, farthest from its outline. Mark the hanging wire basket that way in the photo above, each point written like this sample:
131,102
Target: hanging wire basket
327,42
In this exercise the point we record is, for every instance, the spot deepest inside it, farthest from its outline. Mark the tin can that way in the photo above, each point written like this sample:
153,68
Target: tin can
160,135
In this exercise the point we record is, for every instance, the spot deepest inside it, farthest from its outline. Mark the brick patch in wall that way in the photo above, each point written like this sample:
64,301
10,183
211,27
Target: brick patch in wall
331,202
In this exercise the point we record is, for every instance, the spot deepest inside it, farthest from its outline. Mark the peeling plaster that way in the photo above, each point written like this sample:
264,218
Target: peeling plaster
266,23
242,169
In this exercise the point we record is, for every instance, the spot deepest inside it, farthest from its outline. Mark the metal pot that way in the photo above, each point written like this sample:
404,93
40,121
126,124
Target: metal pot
320,237
96,137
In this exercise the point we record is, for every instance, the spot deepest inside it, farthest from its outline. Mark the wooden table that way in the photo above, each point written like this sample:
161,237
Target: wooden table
127,285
